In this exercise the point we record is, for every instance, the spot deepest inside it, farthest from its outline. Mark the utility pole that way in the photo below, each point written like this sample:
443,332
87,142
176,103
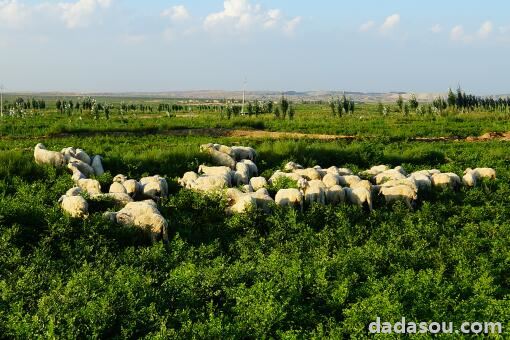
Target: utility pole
244,94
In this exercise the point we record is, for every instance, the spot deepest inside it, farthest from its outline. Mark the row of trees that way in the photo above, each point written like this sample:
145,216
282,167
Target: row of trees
341,106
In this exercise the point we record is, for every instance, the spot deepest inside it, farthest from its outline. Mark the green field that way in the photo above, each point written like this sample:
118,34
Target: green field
324,273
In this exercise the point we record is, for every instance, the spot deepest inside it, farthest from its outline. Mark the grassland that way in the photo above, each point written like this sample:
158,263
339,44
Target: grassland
324,273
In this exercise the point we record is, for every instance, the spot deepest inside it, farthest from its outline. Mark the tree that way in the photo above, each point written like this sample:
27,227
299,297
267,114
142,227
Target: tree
250,109
413,102
406,109
58,104
292,112
332,107
277,112
351,106
284,106
380,107
400,103
451,98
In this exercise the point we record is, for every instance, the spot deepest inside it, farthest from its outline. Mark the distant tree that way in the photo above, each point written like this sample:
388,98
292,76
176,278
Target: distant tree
332,106
284,106
351,106
413,102
400,103
58,105
406,109
276,112
292,112
250,109
380,107
451,98
106,109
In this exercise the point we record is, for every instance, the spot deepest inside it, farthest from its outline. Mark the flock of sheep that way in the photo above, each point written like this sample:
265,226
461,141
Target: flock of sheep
138,198
235,175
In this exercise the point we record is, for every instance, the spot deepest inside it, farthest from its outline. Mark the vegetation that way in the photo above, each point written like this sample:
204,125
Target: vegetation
324,273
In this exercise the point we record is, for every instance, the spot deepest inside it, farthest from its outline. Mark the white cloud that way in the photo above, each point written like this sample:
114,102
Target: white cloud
13,14
133,39
367,26
290,26
169,34
390,22
457,33
436,28
241,15
78,14
176,13
485,30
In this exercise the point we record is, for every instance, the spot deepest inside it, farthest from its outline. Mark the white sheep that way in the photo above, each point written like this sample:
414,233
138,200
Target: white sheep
359,196
68,153
76,191
321,171
242,204
97,165
132,186
82,156
119,198
488,173
330,180
154,187
470,178
84,168
374,171
362,184
75,206
90,186
444,180
308,173
117,187
216,171
388,175
120,178
399,193
188,177
422,181
254,171
244,152
314,192
208,183
144,215
348,180
264,201
410,182
257,183
218,157
289,197
76,173
242,174
291,166
225,149
345,172
43,156
335,195
280,174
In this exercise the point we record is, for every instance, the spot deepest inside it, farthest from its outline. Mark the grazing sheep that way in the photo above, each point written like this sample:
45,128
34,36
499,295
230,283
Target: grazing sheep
76,191
206,147
280,174
244,152
84,168
77,175
362,184
314,191
188,177
257,183
117,188
82,156
309,173
428,173
374,171
396,182
335,195
242,204
217,157
133,187
97,165
75,206
399,193
401,170
446,180
143,215
359,196
254,171
154,187
118,198
43,156
333,170
242,174
264,201
469,178
90,186
68,153
217,171
208,183
488,173
330,180
422,181
388,175
120,178
291,166
289,197
345,172
348,180
321,171
225,149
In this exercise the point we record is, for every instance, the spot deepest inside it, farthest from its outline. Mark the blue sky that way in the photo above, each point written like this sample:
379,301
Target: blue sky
368,45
